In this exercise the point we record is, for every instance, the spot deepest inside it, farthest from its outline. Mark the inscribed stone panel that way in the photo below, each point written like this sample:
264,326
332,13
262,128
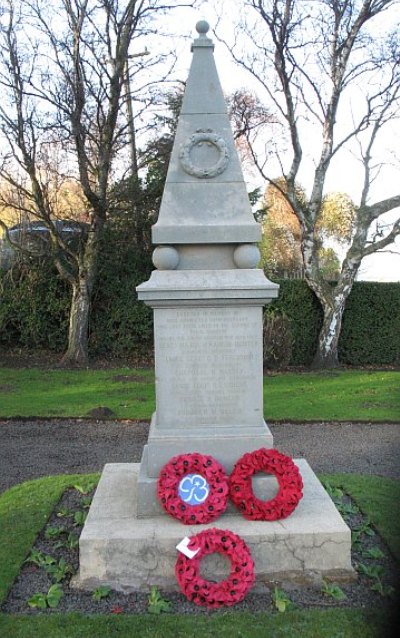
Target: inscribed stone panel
208,366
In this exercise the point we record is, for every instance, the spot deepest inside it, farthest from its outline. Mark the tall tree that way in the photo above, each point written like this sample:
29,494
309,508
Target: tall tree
335,82
63,79
281,244
251,122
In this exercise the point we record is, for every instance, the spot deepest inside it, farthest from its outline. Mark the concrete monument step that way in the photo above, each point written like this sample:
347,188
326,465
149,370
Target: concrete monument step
129,553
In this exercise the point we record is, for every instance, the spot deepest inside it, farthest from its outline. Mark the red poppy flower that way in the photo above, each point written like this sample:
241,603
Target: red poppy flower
193,488
227,592
271,462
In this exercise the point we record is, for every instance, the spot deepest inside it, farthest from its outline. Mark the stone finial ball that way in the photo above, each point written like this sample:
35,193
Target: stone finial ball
246,256
202,27
165,258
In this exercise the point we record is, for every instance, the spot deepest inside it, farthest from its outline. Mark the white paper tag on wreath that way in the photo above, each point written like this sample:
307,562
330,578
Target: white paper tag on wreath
182,547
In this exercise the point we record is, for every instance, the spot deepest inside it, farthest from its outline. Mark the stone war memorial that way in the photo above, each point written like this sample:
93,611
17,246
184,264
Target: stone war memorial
210,480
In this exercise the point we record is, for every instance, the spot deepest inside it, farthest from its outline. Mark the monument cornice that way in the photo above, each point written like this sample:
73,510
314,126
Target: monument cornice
208,287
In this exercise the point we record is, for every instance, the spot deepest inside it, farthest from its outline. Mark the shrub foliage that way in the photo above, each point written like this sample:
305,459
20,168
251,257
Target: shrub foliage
301,306
34,307
277,340
120,325
370,329
371,325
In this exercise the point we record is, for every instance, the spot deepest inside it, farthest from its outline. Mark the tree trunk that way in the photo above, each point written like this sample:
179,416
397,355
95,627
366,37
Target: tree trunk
332,298
77,351
326,355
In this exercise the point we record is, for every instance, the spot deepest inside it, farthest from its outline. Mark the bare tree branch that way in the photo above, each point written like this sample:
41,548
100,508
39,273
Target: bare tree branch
314,60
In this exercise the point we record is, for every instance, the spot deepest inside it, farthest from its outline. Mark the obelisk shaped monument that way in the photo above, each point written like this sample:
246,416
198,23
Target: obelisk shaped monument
207,292
208,295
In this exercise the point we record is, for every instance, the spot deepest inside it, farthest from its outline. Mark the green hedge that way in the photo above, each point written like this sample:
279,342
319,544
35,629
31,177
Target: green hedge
371,325
370,329
35,301
300,304
34,307
120,325
34,304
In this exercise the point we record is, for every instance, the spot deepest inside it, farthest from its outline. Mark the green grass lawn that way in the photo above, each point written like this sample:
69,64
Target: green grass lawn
337,623
25,508
347,395
353,395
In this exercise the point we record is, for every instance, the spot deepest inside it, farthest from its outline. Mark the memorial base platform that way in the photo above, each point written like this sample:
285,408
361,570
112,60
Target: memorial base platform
129,553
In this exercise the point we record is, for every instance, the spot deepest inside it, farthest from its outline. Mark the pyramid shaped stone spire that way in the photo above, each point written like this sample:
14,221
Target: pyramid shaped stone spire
205,199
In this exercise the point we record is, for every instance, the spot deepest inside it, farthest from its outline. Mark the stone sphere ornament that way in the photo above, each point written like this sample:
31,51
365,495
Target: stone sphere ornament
165,258
211,594
246,256
193,488
202,27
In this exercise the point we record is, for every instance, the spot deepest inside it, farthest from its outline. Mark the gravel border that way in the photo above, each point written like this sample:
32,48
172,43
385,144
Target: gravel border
30,448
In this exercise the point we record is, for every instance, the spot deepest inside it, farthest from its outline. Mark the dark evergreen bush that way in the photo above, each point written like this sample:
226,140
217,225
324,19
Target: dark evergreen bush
371,325
120,325
34,306
301,306
370,329
277,340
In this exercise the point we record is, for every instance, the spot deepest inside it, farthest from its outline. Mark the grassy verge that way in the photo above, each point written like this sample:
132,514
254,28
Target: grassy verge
73,393
24,509
347,395
378,498
337,623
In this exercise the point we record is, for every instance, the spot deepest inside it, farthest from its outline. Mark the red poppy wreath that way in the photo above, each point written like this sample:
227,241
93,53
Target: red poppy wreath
270,462
226,592
193,488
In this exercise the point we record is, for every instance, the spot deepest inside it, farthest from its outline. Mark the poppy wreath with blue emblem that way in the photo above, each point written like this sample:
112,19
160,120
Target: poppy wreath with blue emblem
216,594
193,488
271,462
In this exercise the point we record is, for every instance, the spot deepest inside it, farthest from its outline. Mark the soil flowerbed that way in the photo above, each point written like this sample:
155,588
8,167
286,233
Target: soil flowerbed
378,572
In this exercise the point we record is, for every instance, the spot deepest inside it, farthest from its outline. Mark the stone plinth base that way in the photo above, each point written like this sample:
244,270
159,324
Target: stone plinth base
221,442
226,443
127,553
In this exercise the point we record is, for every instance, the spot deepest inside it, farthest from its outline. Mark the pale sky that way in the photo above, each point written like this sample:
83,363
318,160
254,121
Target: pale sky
345,174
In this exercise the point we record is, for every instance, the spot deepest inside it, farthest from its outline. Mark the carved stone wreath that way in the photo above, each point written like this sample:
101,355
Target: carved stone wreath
202,136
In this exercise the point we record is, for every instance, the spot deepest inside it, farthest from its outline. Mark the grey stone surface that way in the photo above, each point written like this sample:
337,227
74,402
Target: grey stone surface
118,549
214,213
207,287
208,368
223,443
208,303
165,258
206,154
265,487
209,384
246,256
200,256
203,91
208,360
205,197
